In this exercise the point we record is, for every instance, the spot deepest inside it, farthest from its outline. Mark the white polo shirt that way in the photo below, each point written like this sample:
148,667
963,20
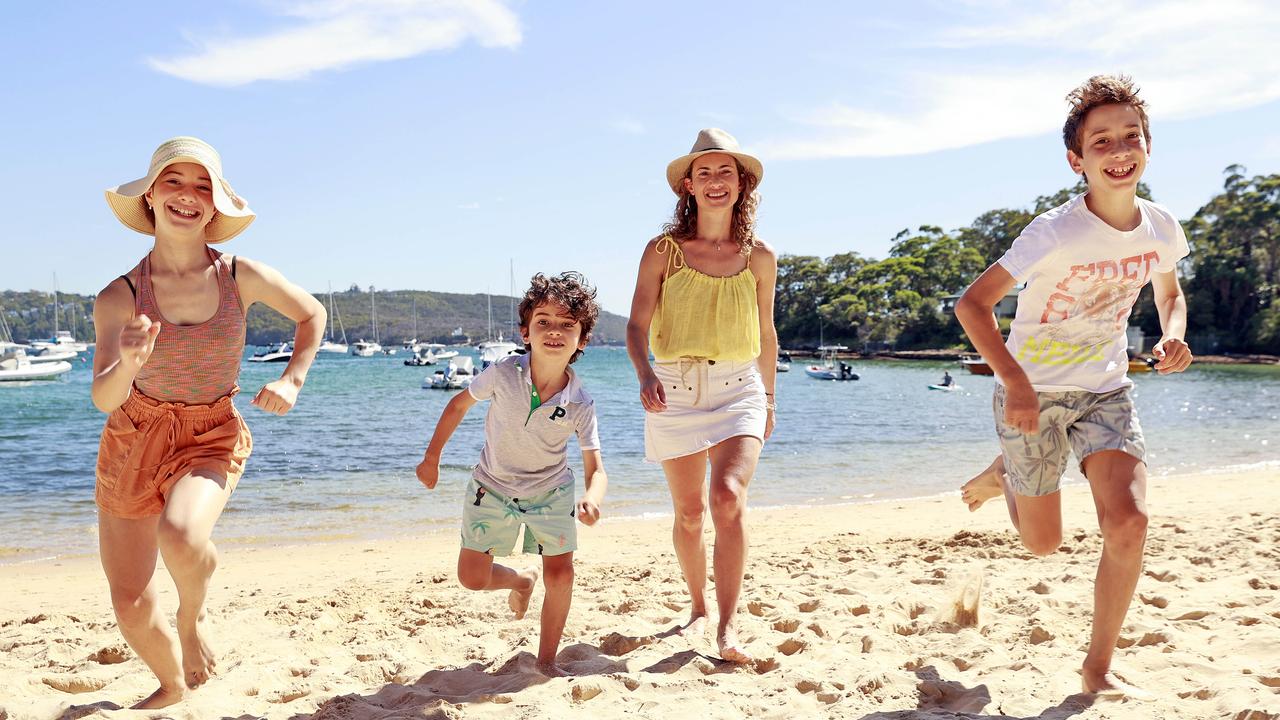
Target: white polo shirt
525,452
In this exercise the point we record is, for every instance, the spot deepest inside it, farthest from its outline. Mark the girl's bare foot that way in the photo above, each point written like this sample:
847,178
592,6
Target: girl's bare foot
198,662
1109,685
519,598
985,485
162,697
730,649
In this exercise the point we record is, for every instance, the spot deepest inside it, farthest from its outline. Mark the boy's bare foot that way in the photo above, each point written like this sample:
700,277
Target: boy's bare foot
198,662
519,598
1109,685
550,669
162,697
696,627
985,485
730,649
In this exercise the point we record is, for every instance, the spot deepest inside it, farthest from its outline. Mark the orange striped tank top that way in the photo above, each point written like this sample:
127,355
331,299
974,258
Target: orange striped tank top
193,364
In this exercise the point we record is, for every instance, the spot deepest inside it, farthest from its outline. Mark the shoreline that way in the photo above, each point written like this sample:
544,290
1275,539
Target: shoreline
352,534
846,612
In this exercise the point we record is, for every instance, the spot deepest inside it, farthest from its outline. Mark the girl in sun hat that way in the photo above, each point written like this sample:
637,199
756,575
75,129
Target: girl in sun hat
170,337
703,305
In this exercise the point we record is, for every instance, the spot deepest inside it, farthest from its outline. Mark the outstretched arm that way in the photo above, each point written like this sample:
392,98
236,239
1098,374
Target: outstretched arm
124,343
259,282
428,471
1171,304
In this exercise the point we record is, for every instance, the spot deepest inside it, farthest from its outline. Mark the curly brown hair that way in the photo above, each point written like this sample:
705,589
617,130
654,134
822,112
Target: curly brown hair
1094,92
569,290
684,223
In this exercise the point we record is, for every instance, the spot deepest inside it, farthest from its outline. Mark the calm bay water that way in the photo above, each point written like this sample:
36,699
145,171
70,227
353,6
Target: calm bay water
341,464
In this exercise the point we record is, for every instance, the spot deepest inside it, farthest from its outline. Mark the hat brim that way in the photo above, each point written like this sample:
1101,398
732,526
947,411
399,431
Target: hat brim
679,168
128,203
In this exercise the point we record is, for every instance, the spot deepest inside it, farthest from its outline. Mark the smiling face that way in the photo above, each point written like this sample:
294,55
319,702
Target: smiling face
1114,149
714,181
182,199
553,332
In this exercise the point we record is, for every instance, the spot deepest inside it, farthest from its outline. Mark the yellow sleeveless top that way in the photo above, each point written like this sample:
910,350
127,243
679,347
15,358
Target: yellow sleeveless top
704,316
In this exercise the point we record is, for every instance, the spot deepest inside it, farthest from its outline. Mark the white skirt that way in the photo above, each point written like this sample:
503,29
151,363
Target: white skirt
708,402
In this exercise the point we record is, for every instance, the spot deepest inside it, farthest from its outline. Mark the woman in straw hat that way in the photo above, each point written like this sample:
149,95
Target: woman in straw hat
703,305
170,336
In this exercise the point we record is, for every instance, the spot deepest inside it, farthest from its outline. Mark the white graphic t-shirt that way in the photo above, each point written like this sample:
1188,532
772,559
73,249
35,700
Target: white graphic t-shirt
1082,277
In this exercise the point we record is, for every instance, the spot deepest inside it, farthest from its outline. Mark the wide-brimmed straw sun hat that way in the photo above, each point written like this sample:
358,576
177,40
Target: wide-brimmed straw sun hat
127,201
710,140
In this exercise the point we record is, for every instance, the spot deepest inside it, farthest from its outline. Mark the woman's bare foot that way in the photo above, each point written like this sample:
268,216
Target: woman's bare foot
1109,685
730,649
198,662
985,485
519,598
162,697
697,625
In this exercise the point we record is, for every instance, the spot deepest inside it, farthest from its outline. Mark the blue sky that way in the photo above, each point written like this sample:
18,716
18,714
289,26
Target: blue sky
417,144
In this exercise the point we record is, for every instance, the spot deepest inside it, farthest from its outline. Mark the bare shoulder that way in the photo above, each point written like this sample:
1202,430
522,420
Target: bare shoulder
116,298
763,258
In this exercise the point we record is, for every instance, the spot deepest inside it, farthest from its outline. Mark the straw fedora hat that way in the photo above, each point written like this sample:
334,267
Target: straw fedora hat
127,201
710,140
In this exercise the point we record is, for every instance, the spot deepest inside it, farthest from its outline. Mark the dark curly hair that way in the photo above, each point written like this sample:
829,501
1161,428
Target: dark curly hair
684,223
569,290
1097,91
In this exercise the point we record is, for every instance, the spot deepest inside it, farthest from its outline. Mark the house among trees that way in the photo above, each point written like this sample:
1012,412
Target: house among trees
1007,306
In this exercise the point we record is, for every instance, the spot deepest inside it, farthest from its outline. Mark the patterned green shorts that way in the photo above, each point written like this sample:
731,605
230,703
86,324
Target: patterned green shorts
491,521
1076,420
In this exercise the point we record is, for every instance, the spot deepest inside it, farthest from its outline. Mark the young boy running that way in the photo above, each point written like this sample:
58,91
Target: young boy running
523,477
1061,377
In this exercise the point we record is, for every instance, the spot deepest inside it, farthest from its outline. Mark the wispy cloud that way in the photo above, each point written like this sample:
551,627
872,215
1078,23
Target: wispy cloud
334,34
988,80
474,205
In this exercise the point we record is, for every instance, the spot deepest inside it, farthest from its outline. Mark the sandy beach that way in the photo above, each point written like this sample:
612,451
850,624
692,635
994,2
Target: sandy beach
849,611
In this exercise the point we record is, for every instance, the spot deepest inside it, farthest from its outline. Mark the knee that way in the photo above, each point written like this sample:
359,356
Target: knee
557,575
133,608
727,500
690,519
1043,545
474,578
178,539
1125,530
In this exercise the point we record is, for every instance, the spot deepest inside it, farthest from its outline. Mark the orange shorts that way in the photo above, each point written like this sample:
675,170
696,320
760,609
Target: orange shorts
148,445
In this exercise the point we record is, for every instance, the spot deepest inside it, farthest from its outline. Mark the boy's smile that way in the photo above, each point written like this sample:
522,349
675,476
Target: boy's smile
1114,148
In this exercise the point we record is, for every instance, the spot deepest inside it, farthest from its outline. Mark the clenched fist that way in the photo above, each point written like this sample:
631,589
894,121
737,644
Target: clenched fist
137,340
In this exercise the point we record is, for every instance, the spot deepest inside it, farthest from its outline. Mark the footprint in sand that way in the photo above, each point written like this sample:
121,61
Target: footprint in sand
809,605
787,625
74,684
952,696
791,646
617,644
1039,635
112,654
808,686
1156,600
1194,615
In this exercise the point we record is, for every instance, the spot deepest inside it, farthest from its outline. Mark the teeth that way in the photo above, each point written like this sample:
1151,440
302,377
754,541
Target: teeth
184,213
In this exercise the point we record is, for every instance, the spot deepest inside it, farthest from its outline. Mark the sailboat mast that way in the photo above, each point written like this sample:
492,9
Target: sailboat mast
373,306
55,305
511,321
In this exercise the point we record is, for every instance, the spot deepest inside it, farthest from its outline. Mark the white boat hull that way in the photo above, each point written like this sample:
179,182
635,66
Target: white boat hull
38,371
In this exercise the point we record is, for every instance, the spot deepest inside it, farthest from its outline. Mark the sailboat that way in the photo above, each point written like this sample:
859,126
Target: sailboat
62,340
361,347
491,351
329,345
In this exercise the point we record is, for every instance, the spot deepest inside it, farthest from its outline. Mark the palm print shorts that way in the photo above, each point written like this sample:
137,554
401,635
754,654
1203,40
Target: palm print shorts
491,521
1075,420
